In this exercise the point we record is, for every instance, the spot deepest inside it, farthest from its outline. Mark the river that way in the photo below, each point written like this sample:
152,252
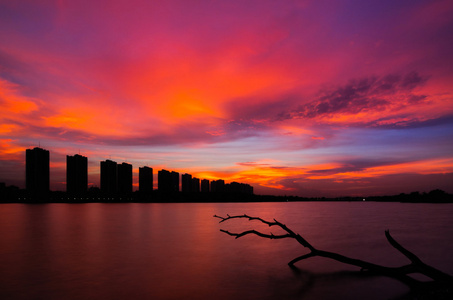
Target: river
176,251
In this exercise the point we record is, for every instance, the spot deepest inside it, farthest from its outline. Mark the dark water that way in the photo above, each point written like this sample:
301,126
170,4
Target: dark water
175,251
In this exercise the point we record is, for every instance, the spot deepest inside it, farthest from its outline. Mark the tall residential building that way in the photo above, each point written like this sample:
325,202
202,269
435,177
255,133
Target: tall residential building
186,183
205,186
37,170
195,185
174,181
168,181
213,186
145,179
76,174
109,182
125,178
218,186
164,181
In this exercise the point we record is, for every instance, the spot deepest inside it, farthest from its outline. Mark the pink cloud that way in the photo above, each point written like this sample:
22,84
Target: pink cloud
207,84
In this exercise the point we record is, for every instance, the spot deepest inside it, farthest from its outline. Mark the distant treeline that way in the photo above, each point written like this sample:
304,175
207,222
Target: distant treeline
434,196
12,194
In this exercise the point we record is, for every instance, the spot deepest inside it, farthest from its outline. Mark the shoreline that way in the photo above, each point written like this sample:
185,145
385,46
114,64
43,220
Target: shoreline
25,197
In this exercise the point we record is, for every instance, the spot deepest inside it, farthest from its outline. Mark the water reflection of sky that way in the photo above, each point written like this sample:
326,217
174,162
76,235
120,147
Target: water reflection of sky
173,251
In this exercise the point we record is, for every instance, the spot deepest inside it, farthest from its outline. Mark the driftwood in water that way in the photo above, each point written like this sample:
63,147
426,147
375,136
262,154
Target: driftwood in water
401,273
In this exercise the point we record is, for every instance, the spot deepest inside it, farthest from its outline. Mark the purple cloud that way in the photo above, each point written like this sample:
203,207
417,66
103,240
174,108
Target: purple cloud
366,94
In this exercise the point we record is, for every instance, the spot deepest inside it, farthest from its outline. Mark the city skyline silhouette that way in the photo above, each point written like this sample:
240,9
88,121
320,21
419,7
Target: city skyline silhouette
116,185
117,179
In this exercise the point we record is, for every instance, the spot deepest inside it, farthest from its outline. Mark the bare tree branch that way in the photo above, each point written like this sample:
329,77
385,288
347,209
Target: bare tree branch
412,257
401,273
291,234
269,236
247,217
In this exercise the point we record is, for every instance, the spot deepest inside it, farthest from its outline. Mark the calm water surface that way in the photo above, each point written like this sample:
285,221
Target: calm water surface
176,251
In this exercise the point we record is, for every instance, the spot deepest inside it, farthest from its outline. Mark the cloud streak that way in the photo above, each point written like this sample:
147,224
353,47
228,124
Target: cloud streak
366,95
313,89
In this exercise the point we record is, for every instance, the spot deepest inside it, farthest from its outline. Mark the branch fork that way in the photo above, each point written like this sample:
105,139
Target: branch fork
401,273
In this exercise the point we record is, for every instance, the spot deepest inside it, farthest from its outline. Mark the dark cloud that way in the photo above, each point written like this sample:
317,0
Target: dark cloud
369,94
260,108
412,80
355,166
366,94
408,122
333,171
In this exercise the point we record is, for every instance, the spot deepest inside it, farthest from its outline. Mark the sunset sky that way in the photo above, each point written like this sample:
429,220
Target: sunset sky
308,98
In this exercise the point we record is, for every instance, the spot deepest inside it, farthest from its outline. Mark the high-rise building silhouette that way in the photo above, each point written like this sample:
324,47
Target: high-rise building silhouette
186,183
205,186
109,181
174,181
234,187
125,178
117,179
195,188
168,181
145,179
164,181
76,174
218,186
37,170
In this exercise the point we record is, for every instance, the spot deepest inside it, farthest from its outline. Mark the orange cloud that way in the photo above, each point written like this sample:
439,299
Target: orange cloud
12,102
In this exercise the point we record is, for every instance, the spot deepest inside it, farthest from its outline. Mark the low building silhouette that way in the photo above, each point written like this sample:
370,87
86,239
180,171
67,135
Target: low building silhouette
239,188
